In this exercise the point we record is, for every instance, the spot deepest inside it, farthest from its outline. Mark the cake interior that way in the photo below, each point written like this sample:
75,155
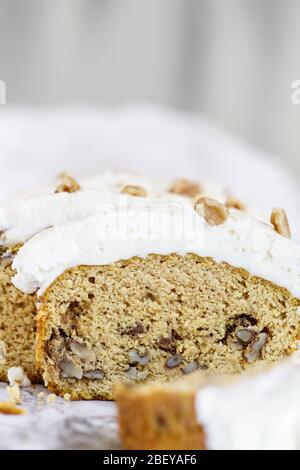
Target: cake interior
156,319
17,324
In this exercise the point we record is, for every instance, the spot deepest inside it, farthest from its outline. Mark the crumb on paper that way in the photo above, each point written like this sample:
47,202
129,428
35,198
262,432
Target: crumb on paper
41,398
17,376
8,408
51,398
67,397
14,394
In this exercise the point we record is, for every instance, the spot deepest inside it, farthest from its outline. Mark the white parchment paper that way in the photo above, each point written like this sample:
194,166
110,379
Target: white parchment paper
59,425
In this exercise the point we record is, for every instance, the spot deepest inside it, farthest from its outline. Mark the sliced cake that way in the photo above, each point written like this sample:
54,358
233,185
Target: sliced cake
155,287
27,215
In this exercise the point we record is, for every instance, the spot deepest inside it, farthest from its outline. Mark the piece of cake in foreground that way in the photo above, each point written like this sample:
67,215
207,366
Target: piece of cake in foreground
153,288
256,411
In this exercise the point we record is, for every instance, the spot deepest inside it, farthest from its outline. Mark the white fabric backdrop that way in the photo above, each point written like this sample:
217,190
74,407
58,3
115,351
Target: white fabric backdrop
36,144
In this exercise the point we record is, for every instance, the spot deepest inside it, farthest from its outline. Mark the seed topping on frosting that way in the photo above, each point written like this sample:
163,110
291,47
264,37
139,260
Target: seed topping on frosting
185,188
134,190
280,222
213,211
68,185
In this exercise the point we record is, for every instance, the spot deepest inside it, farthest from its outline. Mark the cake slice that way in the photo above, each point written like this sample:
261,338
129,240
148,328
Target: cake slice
257,411
156,287
29,214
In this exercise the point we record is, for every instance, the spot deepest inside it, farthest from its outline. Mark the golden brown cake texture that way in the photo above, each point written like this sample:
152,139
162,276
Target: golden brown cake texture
156,417
17,323
156,319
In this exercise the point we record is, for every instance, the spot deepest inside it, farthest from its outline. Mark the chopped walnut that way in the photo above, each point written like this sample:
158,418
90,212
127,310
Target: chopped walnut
82,351
70,369
254,349
134,190
191,367
138,357
185,188
174,361
235,203
280,222
213,211
68,185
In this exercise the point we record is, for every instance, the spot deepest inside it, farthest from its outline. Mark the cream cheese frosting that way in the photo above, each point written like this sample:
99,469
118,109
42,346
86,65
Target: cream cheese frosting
128,226
29,213
260,412
99,225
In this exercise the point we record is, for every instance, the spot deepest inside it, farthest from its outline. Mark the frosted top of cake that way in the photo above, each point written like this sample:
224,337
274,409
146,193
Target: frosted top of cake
259,412
29,213
122,226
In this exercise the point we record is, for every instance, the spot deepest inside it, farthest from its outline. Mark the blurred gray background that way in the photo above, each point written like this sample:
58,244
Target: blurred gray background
233,60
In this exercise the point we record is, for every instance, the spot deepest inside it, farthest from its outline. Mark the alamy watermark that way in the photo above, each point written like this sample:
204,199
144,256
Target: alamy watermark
295,96
2,92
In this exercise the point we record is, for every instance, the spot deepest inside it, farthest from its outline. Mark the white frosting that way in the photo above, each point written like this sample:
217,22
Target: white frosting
29,213
99,225
128,226
260,412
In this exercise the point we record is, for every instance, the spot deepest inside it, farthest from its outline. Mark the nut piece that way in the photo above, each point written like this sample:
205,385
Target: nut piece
280,222
235,203
166,344
245,335
82,351
213,212
254,349
133,374
96,374
174,361
2,352
135,330
68,185
191,367
185,188
69,369
134,190
139,357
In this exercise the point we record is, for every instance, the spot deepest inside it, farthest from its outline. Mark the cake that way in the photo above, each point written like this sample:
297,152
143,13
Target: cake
257,411
153,286
27,215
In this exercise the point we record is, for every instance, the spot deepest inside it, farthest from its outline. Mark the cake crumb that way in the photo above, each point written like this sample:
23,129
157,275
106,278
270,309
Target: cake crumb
8,408
67,397
51,398
17,376
14,394
40,398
